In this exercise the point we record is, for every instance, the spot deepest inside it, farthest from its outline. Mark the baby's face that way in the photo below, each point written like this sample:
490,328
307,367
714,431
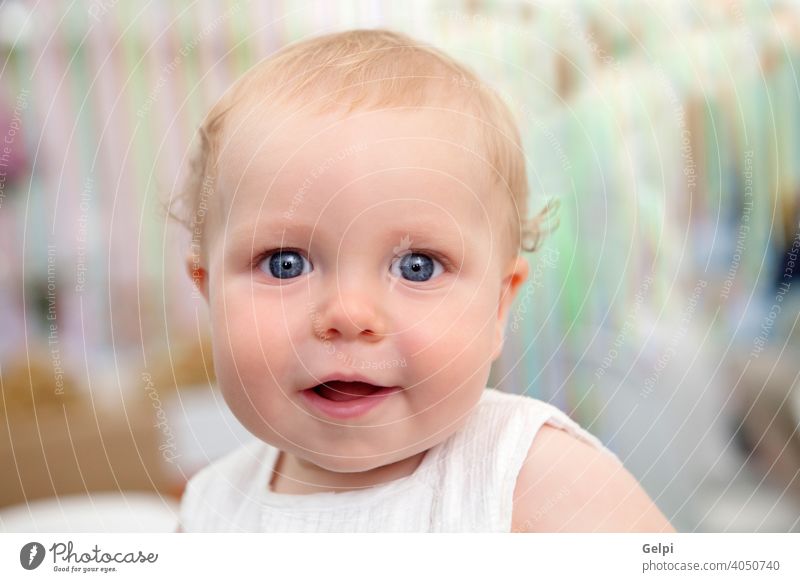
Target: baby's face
366,248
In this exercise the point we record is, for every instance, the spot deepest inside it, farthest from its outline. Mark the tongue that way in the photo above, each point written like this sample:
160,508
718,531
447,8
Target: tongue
345,391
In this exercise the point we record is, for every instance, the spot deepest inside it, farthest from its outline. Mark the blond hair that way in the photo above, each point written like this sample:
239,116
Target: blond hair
368,70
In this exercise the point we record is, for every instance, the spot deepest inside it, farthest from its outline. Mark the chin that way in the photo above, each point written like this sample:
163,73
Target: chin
350,465
361,461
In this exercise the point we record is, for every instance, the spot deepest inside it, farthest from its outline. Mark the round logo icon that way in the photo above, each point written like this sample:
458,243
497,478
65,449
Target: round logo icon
31,555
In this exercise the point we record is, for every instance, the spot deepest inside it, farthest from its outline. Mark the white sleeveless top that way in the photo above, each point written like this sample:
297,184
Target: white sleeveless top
464,484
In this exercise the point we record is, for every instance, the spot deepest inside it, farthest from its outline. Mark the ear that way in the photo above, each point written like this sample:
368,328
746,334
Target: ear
198,275
515,275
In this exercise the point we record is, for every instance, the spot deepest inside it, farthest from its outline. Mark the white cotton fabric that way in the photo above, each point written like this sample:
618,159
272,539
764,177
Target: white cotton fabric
464,484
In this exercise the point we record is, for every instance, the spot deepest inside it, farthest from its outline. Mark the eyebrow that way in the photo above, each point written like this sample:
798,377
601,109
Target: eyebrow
250,232
425,223
429,231
421,227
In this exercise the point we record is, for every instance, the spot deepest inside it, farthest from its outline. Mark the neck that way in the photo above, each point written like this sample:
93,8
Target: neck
294,475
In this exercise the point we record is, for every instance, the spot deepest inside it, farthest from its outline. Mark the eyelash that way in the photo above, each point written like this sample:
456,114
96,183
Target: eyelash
266,253
445,262
448,266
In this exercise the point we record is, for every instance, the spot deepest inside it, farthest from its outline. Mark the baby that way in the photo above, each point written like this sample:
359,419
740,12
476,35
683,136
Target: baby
358,210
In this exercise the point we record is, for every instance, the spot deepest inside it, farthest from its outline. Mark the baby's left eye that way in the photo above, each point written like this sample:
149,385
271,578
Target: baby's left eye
417,267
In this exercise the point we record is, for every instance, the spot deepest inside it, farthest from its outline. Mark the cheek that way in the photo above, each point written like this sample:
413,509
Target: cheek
253,341
453,346
252,355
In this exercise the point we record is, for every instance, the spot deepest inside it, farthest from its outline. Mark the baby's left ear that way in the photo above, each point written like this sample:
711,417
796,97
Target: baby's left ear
515,275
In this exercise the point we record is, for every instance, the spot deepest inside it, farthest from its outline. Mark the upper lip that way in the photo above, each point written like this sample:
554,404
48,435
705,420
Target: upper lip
347,377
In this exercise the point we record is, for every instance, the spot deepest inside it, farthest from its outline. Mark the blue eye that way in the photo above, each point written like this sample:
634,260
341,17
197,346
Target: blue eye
416,267
285,264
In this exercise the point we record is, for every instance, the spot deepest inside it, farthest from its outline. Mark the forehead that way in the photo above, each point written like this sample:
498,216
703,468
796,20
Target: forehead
382,162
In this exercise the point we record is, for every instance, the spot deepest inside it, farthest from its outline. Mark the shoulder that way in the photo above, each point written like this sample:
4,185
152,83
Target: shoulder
567,484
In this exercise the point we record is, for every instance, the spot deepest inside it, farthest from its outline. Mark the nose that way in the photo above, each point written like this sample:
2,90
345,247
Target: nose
351,312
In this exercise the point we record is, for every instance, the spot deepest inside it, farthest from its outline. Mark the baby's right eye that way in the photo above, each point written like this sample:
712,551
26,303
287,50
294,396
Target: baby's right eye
285,264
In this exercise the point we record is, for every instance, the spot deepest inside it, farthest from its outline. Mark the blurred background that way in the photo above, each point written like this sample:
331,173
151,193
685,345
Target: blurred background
661,314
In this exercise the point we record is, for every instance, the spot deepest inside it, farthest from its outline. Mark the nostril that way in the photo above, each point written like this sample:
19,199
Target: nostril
358,320
371,336
326,335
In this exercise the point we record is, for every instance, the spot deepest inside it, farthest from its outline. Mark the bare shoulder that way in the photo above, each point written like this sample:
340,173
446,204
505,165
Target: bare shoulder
568,485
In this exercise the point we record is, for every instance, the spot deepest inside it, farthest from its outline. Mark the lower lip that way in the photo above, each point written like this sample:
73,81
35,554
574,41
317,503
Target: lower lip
350,408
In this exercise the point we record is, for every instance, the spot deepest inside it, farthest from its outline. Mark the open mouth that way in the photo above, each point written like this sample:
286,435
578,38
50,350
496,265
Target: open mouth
346,400
338,391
